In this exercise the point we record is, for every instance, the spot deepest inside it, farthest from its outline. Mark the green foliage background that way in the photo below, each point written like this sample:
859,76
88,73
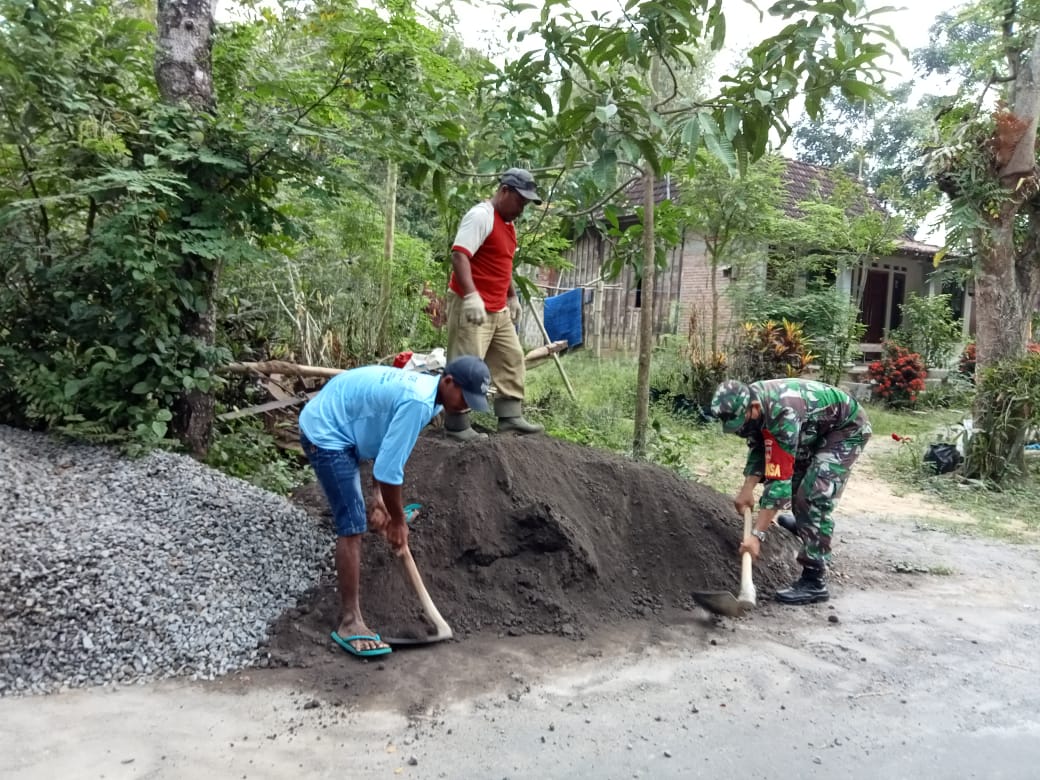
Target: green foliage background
133,231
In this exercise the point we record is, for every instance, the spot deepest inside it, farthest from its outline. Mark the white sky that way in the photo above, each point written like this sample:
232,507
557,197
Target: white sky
482,24
482,27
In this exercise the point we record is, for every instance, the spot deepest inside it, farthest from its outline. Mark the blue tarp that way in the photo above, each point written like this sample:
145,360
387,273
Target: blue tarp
563,317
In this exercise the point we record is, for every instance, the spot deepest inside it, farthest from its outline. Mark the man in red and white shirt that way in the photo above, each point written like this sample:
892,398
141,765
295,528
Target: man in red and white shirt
482,305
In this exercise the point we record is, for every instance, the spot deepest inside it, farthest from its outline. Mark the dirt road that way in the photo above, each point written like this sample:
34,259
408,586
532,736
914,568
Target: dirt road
923,665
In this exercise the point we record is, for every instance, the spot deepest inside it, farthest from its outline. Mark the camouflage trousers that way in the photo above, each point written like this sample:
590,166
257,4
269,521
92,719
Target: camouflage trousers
817,485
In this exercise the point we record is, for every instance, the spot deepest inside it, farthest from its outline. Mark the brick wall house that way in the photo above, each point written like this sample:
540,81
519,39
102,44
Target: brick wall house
683,289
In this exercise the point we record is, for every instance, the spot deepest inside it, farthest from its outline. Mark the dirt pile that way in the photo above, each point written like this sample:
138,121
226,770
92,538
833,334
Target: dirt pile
526,535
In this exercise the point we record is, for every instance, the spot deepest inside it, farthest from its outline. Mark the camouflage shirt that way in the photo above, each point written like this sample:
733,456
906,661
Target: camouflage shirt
796,416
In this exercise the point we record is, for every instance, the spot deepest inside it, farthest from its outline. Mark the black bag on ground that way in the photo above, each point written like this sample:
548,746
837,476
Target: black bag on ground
944,458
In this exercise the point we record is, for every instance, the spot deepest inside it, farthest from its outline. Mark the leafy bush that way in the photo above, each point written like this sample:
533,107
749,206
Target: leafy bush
837,348
702,375
830,322
245,449
1008,408
771,350
966,364
928,328
817,311
954,392
686,371
898,376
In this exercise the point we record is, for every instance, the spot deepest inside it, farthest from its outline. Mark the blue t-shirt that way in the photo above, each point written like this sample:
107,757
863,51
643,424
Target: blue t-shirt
377,410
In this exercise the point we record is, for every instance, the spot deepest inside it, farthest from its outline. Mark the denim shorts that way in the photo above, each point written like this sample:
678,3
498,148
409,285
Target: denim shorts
340,477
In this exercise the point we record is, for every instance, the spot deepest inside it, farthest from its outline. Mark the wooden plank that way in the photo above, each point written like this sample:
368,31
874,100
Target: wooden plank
270,406
275,390
282,367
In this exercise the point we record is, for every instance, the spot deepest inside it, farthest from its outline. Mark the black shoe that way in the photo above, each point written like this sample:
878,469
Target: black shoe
787,522
805,590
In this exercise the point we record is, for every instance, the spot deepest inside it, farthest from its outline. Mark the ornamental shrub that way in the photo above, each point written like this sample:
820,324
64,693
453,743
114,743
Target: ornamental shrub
898,377
772,350
1007,412
928,329
966,365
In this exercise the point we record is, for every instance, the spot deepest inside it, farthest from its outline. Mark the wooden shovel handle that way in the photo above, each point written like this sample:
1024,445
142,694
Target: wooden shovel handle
429,608
747,583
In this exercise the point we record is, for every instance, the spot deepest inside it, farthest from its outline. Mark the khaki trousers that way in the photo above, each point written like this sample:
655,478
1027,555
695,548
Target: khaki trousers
495,342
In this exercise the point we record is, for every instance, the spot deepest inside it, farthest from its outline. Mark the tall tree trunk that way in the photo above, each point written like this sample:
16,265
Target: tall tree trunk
386,281
713,269
184,75
183,54
1002,315
1007,270
646,319
1007,281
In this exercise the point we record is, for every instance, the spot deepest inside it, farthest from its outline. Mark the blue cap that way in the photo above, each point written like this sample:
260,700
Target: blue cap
472,375
523,182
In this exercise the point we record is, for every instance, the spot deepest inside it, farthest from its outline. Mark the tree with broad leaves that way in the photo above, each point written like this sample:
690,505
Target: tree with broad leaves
983,158
733,216
877,143
128,209
601,105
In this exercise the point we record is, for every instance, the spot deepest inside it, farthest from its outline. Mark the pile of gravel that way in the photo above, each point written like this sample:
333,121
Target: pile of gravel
122,570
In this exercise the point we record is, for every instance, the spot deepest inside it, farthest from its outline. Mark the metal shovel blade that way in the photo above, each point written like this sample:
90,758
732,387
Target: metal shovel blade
415,641
720,603
418,633
725,603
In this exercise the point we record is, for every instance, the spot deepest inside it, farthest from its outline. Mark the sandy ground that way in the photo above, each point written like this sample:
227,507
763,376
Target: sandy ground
921,666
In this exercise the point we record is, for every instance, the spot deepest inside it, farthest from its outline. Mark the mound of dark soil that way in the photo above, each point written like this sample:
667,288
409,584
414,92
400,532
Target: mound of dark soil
530,534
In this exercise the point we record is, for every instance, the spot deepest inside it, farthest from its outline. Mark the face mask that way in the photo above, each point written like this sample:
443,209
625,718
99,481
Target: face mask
750,427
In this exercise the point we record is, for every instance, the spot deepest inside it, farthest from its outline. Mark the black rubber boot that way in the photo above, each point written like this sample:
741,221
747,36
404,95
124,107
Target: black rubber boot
511,418
786,521
457,427
807,589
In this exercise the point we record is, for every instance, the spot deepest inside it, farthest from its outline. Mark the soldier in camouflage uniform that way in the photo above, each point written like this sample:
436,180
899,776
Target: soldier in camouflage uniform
803,438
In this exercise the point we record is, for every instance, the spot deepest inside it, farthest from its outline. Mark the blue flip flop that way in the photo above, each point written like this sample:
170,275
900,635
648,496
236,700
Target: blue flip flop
410,510
344,642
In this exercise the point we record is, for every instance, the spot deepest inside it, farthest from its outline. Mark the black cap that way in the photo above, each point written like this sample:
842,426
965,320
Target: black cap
523,182
473,376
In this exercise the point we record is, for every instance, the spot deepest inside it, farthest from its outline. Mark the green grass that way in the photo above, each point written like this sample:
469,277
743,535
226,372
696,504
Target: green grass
1008,513
916,424
602,417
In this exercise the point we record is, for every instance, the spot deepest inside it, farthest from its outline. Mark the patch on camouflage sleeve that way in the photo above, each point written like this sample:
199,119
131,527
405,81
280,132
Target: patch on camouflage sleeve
779,462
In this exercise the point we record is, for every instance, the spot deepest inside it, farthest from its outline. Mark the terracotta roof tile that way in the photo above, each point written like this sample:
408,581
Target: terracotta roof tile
805,181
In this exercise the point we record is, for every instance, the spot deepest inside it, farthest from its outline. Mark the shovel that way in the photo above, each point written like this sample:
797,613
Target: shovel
443,630
723,602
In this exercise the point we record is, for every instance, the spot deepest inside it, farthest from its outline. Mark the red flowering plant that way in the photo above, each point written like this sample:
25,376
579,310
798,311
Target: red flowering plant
966,366
898,377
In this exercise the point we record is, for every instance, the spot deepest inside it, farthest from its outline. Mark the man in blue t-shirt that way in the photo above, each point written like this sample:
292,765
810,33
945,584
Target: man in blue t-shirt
376,413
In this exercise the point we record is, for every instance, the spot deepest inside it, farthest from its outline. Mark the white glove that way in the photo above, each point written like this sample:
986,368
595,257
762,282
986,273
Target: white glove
515,309
473,309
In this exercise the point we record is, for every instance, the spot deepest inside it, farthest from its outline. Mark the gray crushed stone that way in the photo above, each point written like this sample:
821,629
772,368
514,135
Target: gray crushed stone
120,570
